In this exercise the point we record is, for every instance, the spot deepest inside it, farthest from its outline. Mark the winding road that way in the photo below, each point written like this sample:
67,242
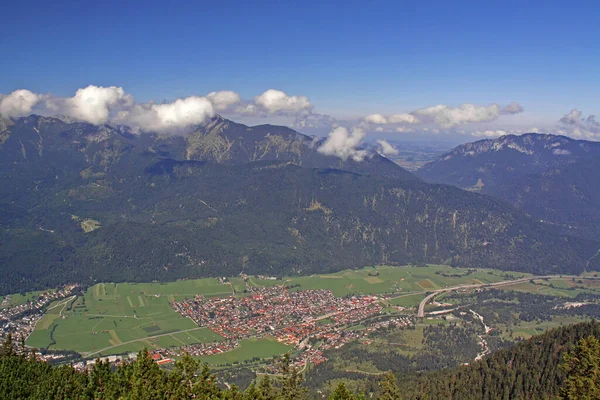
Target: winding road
427,299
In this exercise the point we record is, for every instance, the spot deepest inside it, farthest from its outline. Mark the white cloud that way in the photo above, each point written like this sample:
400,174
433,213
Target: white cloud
98,105
275,101
344,144
177,115
224,99
574,124
376,119
92,104
444,116
572,118
386,148
18,103
447,117
403,119
247,109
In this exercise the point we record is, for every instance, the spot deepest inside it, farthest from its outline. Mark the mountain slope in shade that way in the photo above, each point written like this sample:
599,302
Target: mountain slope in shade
555,179
88,203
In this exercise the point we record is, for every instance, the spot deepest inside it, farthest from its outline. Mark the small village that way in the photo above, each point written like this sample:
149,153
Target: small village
20,320
290,316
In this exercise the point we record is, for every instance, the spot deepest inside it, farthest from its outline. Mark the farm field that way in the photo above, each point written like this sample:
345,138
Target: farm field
248,349
526,330
563,287
409,301
114,314
391,280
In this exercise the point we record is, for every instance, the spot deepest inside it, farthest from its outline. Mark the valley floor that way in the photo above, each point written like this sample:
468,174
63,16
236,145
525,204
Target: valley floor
238,324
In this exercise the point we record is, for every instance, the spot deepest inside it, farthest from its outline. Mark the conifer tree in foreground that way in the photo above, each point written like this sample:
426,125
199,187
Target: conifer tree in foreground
582,367
389,388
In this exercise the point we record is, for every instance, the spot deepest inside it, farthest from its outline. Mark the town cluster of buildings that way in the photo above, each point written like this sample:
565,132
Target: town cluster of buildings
290,316
21,320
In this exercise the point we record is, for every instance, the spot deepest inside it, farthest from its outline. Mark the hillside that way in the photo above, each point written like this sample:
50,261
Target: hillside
529,370
226,142
554,179
89,204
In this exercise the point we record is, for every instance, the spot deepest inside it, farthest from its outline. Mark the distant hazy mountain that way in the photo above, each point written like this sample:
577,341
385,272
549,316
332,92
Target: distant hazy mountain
97,203
555,179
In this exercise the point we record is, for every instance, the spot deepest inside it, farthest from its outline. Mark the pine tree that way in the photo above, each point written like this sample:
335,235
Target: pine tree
147,379
582,367
291,382
7,346
265,389
341,393
251,392
389,388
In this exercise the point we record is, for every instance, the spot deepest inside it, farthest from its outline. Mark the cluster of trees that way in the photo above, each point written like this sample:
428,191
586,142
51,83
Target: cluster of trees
22,376
562,363
545,366
443,346
512,307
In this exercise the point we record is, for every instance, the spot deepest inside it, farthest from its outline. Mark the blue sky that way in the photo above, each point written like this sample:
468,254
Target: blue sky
350,59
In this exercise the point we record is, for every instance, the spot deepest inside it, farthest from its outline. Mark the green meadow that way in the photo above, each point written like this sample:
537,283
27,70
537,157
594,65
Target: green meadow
391,280
248,349
125,317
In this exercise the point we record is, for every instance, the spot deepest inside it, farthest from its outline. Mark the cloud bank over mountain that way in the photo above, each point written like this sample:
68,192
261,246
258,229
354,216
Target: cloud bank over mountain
99,105
574,124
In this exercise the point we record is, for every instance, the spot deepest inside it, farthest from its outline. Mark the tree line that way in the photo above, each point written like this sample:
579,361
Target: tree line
562,363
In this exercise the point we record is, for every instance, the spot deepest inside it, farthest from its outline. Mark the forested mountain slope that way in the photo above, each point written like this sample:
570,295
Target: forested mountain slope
86,203
530,370
554,179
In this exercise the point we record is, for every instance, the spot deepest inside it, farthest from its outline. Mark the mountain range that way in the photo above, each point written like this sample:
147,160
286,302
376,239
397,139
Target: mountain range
554,179
91,203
